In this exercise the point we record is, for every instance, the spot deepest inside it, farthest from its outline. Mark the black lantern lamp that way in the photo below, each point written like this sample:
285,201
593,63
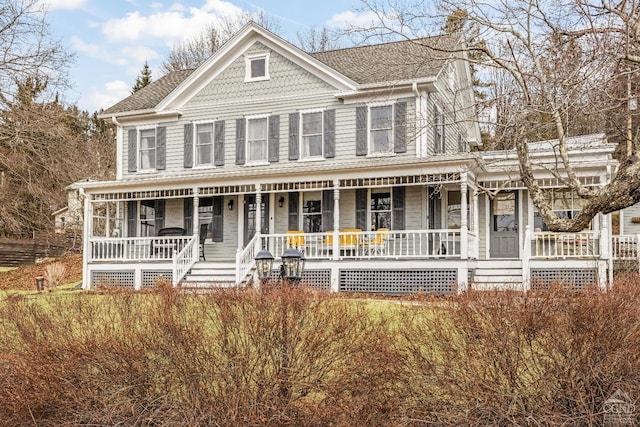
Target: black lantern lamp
292,264
264,261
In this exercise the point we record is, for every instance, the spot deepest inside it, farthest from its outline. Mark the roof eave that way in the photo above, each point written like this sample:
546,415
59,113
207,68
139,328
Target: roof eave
378,87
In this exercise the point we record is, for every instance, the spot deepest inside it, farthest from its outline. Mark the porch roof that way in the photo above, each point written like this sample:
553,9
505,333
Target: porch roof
272,176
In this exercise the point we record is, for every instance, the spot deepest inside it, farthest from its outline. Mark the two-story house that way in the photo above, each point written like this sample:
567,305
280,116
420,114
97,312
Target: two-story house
362,158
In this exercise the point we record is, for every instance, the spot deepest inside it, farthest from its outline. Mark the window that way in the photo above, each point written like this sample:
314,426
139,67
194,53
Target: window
380,208
204,144
147,218
147,149
381,129
564,202
454,208
312,213
311,135
438,131
257,140
257,67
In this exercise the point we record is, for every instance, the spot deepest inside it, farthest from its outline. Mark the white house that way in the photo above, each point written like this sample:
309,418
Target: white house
361,157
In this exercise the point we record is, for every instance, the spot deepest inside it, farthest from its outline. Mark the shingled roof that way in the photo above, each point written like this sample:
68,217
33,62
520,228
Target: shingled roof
151,95
390,62
380,63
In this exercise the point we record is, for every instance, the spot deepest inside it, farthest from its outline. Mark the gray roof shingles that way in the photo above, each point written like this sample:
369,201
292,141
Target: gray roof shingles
387,62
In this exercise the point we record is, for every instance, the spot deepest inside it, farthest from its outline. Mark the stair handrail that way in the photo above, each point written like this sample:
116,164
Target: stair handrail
526,257
184,260
245,259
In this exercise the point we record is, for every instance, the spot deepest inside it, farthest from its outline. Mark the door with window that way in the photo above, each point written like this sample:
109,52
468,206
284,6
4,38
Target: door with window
504,225
250,209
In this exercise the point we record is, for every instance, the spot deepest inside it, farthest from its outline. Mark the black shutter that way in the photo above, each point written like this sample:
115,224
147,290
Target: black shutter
132,218
329,134
398,207
361,130
217,219
158,210
400,129
241,128
161,148
361,208
274,138
294,215
327,210
188,145
187,215
294,129
133,150
218,143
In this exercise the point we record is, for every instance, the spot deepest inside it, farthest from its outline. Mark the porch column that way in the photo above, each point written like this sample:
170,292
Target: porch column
86,244
464,224
605,241
336,223
476,225
195,220
258,211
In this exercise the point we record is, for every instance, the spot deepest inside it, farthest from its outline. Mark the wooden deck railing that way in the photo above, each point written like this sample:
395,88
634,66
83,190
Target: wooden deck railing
135,248
355,244
546,244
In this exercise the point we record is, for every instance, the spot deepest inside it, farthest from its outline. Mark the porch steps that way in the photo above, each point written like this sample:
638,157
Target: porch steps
497,275
205,275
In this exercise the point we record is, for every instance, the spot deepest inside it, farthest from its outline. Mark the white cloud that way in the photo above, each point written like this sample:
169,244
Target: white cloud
63,4
351,19
170,25
108,95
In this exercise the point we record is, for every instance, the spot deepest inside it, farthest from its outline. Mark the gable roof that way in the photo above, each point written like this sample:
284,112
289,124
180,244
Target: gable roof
149,96
394,61
348,68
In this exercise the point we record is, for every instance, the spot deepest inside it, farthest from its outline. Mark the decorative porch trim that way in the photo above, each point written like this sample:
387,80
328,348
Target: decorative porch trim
227,189
174,193
297,186
438,178
516,184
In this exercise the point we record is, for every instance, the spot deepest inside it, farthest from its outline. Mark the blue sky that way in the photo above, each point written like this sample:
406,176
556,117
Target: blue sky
113,38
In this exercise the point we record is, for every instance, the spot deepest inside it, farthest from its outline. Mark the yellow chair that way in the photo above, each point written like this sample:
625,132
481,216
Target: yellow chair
295,238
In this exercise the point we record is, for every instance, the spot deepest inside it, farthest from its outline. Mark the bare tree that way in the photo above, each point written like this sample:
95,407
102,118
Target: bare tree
192,53
318,39
562,63
27,48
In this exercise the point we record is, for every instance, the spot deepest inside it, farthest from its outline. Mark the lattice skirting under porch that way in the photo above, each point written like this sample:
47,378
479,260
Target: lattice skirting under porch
396,282
125,279
573,278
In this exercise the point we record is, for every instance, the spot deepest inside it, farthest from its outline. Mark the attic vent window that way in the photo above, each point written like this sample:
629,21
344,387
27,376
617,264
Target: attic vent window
257,67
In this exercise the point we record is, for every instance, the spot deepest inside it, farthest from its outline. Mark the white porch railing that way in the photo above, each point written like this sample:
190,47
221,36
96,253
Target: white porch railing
128,249
246,258
369,244
584,244
184,260
625,247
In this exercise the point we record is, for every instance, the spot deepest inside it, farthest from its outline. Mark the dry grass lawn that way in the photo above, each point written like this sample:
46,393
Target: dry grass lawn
24,277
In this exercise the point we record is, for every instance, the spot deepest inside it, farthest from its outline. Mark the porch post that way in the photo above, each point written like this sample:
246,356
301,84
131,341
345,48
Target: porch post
605,240
195,220
464,226
336,223
476,226
86,244
259,216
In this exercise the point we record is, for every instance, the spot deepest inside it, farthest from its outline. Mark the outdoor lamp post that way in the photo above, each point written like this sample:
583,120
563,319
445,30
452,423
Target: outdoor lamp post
264,260
292,265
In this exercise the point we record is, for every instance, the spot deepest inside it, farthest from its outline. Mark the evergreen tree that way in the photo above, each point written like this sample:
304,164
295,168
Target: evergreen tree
144,79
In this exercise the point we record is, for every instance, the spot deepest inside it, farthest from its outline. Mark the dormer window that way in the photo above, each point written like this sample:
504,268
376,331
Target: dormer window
257,67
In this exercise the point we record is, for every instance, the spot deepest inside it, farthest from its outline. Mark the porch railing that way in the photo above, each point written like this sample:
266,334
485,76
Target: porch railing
369,244
184,260
625,247
584,244
135,248
246,258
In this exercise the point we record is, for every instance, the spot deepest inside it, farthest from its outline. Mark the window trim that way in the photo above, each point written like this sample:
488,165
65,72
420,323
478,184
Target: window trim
196,164
264,161
391,151
379,190
248,59
301,157
139,131
439,123
313,196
